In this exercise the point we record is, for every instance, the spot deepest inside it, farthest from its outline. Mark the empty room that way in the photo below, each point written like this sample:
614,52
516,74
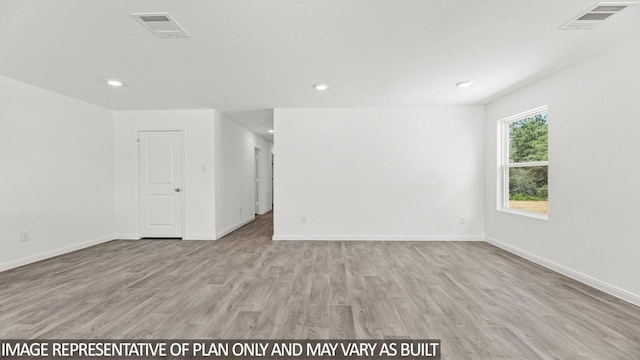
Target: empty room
314,179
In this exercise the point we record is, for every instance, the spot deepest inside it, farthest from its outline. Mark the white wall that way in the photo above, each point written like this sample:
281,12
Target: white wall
198,135
56,155
235,166
379,173
594,204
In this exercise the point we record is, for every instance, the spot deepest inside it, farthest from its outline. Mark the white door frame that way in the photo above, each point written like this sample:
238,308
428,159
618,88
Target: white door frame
184,176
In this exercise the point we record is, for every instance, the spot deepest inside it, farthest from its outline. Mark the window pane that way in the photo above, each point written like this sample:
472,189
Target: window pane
528,139
528,188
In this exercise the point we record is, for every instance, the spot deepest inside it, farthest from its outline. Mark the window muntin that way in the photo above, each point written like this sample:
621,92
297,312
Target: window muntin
525,163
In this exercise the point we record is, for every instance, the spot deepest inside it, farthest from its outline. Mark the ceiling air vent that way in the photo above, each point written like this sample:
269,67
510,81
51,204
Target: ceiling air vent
161,25
595,15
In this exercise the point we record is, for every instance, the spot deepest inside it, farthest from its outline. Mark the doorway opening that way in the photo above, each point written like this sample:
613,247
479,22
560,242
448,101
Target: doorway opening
256,176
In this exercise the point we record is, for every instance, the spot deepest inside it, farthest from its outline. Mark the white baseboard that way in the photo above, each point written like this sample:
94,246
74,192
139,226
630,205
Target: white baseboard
586,279
186,237
380,237
234,227
199,237
127,237
51,253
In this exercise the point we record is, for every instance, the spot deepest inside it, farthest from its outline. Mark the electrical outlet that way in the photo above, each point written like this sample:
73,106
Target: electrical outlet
303,220
24,236
462,220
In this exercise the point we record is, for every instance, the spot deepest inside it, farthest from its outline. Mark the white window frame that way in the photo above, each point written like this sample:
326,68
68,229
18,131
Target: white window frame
504,165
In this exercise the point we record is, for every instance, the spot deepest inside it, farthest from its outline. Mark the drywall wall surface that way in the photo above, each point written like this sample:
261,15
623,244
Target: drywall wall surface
199,168
235,161
379,173
592,233
57,174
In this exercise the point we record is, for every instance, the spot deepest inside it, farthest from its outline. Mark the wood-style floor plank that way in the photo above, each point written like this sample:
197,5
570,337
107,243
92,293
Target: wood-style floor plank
482,302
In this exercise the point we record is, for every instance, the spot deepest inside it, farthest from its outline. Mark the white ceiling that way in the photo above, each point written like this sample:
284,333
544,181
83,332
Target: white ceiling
247,56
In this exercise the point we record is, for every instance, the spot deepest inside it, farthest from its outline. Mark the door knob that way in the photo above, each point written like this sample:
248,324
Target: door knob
178,190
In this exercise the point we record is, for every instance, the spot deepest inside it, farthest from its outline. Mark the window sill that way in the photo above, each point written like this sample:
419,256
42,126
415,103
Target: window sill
530,214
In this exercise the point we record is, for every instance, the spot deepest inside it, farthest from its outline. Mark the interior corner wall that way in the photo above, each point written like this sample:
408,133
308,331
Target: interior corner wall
379,173
57,174
592,233
198,151
235,167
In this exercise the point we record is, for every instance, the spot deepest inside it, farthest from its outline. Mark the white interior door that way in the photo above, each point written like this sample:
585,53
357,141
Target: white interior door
160,178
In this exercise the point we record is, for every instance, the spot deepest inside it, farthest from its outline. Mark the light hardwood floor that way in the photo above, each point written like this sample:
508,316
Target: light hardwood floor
484,303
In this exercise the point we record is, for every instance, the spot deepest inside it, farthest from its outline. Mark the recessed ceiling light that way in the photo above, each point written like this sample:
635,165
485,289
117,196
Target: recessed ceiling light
321,87
270,131
464,84
114,83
